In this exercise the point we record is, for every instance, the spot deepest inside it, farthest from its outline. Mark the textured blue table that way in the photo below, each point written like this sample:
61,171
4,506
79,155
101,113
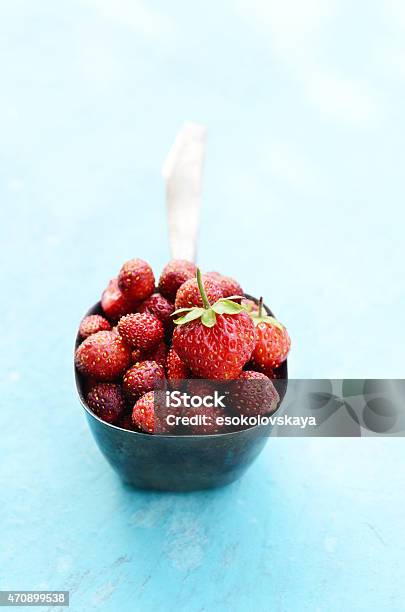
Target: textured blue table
303,202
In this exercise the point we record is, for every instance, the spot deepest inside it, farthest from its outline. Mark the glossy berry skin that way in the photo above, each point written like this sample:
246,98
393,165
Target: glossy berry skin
114,303
176,369
143,413
174,274
228,285
141,378
253,394
148,414
106,401
136,280
272,346
159,306
217,352
103,356
188,294
141,330
93,324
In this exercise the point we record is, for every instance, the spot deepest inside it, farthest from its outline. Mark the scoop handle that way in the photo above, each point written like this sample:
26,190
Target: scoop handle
182,172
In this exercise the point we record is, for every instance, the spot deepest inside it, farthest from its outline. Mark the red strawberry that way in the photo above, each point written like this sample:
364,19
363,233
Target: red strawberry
215,341
143,413
93,324
103,356
228,285
149,416
174,274
136,280
159,306
176,369
254,394
273,342
141,330
114,303
207,424
158,354
141,378
188,294
106,401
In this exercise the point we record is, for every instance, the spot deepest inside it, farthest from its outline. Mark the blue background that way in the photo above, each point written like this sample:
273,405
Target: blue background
303,202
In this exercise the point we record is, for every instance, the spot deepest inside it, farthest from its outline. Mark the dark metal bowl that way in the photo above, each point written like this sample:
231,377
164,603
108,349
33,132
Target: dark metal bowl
170,462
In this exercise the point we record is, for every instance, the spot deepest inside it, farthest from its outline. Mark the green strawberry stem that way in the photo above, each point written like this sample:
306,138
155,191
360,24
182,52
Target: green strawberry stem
202,290
261,307
207,313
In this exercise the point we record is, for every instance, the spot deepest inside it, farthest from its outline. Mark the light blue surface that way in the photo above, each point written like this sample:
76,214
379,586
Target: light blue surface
303,202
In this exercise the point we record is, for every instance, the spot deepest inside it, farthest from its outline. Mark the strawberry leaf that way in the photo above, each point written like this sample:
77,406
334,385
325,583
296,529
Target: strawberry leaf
179,310
194,313
208,318
224,306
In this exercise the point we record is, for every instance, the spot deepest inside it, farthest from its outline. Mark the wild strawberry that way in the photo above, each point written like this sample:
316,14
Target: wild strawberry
106,401
149,415
141,330
136,280
273,342
188,294
93,324
143,413
176,369
103,356
214,341
114,303
209,420
158,354
228,285
254,394
141,378
174,274
159,306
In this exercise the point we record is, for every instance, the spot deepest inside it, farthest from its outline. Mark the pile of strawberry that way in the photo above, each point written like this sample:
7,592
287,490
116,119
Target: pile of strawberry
194,327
